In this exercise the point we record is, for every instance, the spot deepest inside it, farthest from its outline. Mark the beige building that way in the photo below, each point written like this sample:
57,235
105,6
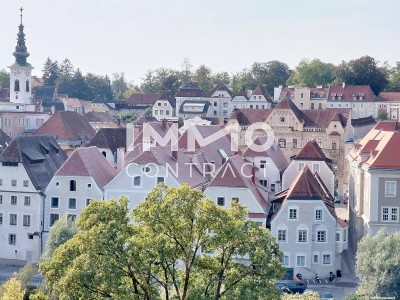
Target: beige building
22,123
374,194
293,128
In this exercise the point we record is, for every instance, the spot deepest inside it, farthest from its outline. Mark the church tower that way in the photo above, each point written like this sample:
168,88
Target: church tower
20,72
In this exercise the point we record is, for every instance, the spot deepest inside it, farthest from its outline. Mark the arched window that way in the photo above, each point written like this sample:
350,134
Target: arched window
27,85
72,185
282,143
16,85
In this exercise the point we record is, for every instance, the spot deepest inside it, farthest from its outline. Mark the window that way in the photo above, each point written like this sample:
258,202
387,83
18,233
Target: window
344,235
72,203
318,214
282,235
13,182
72,185
89,185
1,218
301,105
57,184
156,112
294,143
160,180
26,183
235,200
88,202
315,167
167,112
13,219
53,218
1,181
321,236
136,181
282,143
159,103
315,258
264,182
13,200
27,86
334,145
215,112
337,236
272,187
293,214
27,220
312,105
215,103
12,238
390,188
302,236
300,166
326,259
161,112
285,260
300,260
262,164
320,143
27,200
390,214
54,202
16,85
221,201
320,106
71,217
1,199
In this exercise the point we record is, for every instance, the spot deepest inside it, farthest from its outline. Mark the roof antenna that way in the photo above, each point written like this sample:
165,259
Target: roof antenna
21,9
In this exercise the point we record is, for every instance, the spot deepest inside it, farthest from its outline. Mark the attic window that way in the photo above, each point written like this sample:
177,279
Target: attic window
72,185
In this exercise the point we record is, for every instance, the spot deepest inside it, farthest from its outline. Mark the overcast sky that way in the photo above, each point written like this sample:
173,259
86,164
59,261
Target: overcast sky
107,36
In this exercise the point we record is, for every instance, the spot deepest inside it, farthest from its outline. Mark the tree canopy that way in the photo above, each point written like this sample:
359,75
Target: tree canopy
363,71
176,245
4,79
312,73
379,276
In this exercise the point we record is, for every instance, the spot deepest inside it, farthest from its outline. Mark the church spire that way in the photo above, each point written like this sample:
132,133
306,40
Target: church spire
21,52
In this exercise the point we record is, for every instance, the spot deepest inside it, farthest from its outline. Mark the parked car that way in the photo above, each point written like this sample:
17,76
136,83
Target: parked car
326,296
291,286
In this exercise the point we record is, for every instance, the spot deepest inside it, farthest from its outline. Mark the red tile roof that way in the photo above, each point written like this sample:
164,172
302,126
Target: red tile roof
111,138
88,162
143,99
378,148
99,117
220,87
246,117
389,96
348,93
311,151
262,91
67,126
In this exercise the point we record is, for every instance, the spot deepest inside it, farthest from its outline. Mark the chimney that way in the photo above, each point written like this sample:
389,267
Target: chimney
175,154
344,84
253,174
120,159
164,123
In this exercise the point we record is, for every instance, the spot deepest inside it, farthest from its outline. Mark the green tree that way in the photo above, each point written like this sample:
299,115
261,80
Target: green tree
162,250
98,86
119,86
203,75
12,290
243,81
51,72
379,276
270,74
311,73
186,71
221,78
38,296
4,79
309,296
162,79
363,71
394,79
66,68
60,232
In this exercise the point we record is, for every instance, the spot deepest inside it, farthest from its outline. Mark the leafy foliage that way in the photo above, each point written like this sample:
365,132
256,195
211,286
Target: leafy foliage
12,290
175,244
60,232
379,276
4,79
308,296
312,73
363,71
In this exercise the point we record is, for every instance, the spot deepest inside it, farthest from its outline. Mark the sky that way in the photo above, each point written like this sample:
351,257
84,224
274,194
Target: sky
130,36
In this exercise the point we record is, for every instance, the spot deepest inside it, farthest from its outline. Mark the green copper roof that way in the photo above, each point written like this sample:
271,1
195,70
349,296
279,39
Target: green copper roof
21,52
